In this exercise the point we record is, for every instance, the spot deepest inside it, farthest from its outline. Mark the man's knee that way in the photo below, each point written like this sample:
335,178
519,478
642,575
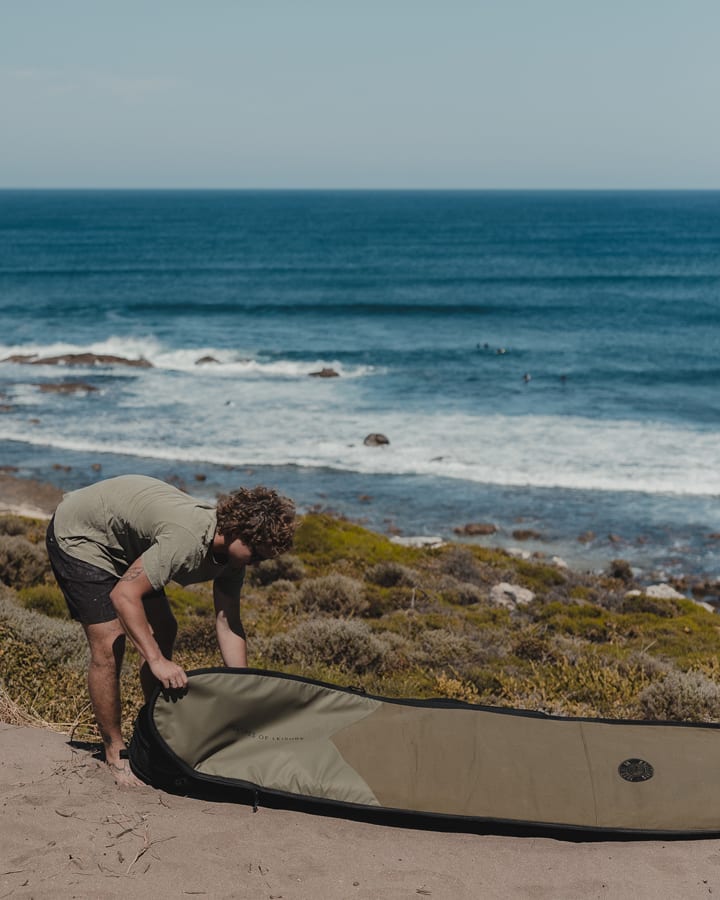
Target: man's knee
107,643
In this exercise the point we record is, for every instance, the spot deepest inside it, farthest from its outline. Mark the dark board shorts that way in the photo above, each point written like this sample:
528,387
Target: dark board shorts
86,588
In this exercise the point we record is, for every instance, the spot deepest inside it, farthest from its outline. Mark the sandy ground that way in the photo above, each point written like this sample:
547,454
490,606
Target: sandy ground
66,831
25,497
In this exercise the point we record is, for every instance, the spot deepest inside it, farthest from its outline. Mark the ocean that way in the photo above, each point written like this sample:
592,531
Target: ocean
548,362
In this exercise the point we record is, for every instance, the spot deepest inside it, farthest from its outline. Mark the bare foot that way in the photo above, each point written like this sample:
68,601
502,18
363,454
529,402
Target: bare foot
122,773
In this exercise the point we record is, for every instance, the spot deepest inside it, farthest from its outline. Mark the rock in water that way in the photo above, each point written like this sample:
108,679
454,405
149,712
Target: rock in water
476,528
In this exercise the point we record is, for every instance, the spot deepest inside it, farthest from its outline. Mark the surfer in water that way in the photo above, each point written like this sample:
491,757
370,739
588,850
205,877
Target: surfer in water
113,547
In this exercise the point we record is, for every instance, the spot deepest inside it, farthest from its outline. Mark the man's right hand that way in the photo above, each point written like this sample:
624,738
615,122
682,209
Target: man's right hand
169,674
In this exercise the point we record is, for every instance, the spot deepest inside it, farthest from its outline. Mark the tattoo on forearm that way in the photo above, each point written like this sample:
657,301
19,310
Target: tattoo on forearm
132,573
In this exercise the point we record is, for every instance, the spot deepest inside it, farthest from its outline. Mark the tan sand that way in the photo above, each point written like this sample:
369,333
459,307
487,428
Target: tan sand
67,831
25,497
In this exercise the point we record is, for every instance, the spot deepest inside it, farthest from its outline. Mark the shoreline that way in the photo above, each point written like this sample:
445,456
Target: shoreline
32,498
27,497
35,488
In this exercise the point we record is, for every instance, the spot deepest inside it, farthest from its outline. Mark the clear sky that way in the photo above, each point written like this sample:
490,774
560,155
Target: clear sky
360,93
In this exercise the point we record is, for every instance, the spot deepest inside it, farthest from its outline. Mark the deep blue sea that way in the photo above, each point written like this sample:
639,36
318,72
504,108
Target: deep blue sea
544,361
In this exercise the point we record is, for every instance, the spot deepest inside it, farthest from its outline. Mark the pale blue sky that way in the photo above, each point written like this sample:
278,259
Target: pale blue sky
361,94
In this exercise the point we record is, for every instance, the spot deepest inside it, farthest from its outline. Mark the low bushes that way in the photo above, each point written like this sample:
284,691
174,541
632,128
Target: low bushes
58,641
392,574
460,563
336,594
427,629
348,645
31,529
44,598
462,593
22,564
286,568
682,696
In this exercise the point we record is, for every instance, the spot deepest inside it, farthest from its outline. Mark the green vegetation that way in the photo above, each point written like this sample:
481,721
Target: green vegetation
350,607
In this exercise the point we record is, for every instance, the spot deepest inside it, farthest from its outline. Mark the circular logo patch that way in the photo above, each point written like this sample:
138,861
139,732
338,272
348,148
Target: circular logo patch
636,770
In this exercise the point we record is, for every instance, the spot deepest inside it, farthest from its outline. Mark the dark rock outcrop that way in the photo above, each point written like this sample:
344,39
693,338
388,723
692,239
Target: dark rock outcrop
325,373
375,440
476,528
67,387
526,534
79,359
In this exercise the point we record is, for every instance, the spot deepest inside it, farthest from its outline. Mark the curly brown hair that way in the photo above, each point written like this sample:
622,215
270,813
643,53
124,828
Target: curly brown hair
260,517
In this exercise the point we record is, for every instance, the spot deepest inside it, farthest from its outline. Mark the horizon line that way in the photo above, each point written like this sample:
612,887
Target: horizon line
360,190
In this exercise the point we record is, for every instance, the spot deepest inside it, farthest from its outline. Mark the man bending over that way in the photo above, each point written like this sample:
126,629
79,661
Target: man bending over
114,546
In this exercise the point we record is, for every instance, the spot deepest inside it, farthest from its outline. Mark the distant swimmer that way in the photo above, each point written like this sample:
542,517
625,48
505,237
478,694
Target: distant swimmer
526,377
500,351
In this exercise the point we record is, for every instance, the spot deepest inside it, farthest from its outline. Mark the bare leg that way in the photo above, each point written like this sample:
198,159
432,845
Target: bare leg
164,627
107,648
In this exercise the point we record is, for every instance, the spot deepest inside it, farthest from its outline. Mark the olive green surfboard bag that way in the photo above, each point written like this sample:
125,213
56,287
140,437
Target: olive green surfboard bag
273,739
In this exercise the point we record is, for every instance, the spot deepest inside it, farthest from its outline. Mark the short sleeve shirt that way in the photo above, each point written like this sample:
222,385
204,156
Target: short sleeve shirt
114,522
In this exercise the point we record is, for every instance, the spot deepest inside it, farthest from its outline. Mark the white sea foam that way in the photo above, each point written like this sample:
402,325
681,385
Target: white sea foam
248,411
533,451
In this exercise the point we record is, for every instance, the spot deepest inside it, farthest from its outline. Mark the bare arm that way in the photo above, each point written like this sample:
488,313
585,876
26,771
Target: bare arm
229,628
126,597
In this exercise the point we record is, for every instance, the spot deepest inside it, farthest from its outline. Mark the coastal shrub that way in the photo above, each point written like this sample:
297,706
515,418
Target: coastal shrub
336,594
622,570
653,666
282,592
50,693
460,563
31,529
59,641
596,686
325,540
190,603
456,689
539,577
14,525
463,593
582,620
22,564
198,637
286,567
682,696
532,644
664,607
392,574
44,598
443,647
347,644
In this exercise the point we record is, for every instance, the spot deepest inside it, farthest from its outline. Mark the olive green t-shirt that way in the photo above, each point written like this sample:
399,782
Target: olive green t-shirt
114,522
